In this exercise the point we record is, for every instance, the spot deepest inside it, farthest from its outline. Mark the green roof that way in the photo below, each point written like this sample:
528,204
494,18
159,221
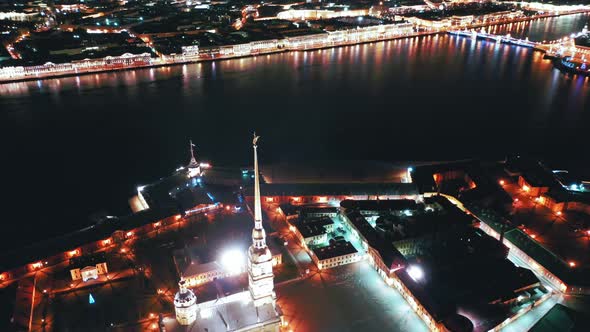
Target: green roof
546,258
563,319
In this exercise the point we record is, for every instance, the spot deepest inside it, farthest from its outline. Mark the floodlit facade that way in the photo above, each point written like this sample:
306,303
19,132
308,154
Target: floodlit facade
340,253
126,60
194,53
317,14
89,272
185,305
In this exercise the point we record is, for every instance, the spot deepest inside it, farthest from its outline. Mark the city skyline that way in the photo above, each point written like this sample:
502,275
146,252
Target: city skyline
414,166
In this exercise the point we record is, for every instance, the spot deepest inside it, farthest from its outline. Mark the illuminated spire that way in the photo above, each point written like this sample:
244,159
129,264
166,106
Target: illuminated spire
193,162
194,168
260,276
258,234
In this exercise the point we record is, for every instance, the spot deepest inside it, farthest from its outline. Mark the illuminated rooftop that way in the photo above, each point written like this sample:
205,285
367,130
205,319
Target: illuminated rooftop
235,312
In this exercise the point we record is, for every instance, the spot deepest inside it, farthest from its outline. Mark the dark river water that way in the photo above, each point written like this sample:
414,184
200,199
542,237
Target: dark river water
74,146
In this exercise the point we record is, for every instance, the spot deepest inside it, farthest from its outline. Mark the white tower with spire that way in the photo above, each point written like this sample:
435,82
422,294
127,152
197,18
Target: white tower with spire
260,275
194,168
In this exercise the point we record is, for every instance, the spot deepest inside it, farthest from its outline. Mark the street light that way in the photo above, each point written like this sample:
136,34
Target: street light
415,272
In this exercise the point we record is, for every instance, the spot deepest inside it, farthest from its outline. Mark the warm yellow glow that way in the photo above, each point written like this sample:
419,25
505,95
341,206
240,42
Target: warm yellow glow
157,224
36,265
177,217
106,242
526,188
502,182
572,263
269,199
129,234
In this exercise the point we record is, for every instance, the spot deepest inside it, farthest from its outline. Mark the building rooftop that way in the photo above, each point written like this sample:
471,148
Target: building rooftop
335,250
562,318
533,171
380,205
308,231
334,189
316,222
235,312
486,187
392,258
465,271
195,268
545,257
70,241
87,260
310,209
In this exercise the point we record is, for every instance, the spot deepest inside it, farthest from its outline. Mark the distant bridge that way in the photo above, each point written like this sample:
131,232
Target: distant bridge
507,39
560,48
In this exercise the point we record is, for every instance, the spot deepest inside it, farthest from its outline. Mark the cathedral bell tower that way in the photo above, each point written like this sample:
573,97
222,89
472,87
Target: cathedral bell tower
260,275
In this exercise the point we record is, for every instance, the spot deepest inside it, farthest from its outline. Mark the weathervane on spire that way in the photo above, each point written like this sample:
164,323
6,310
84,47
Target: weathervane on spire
255,139
192,146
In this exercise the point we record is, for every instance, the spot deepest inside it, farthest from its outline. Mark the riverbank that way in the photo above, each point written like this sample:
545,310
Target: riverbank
325,40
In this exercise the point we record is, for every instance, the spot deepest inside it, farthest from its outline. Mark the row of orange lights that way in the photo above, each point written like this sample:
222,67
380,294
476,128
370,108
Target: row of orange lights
77,252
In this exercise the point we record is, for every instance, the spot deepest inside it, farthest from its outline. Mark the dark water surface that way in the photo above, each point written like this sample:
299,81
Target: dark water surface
73,146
